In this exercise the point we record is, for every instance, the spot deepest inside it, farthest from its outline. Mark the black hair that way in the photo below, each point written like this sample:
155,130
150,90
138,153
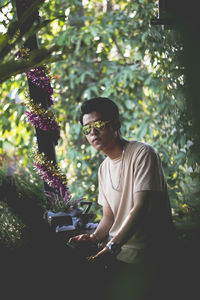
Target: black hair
105,106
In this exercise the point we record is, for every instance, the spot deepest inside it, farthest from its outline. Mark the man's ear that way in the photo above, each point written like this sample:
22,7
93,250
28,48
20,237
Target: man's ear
116,124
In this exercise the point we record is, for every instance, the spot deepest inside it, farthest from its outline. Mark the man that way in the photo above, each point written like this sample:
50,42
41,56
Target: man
133,192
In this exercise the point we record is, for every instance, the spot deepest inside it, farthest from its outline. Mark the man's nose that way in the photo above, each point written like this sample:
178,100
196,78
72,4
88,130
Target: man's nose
93,131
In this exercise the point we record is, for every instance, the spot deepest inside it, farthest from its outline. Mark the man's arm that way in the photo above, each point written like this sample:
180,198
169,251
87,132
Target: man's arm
105,224
134,218
131,223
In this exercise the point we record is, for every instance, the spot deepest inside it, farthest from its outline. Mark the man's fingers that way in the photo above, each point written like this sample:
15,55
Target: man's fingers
79,238
83,237
71,240
92,258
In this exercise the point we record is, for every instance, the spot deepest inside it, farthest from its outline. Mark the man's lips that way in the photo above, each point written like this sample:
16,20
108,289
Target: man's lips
96,139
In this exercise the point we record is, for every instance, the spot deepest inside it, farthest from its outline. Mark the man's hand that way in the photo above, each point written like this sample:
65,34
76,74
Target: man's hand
83,238
83,244
103,256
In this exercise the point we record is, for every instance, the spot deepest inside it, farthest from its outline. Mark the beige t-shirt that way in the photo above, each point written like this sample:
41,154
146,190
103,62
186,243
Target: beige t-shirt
139,169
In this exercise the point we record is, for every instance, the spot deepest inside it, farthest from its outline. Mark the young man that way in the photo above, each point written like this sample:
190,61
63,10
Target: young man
133,192
132,188
136,224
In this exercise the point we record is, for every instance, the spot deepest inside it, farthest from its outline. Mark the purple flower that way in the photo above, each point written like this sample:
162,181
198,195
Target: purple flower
44,123
41,80
59,202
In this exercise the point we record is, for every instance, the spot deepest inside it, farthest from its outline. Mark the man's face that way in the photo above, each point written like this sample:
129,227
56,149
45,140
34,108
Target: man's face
99,139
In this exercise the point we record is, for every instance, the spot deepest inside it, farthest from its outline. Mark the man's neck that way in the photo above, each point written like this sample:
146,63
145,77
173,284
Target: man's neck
115,150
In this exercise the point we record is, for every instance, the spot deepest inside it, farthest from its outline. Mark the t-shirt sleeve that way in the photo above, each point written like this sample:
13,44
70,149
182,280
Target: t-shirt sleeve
148,172
101,196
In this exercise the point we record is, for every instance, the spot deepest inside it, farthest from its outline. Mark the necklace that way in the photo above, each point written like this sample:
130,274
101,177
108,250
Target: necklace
116,188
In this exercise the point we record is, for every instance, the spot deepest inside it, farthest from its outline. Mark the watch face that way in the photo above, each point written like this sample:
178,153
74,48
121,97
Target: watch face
114,248
110,245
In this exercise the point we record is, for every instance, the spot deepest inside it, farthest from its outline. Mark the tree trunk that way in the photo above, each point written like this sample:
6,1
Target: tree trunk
44,139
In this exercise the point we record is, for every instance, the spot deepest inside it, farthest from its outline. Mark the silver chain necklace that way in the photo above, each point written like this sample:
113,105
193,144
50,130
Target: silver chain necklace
116,188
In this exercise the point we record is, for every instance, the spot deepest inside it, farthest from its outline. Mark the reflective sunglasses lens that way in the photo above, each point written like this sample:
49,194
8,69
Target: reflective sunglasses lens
86,129
99,125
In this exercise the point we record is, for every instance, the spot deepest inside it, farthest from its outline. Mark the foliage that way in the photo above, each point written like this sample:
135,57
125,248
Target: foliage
22,203
13,38
11,226
118,54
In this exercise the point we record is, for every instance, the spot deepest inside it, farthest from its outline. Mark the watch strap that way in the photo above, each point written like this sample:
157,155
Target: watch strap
113,247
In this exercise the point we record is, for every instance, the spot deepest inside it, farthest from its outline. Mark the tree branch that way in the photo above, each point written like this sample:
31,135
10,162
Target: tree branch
14,67
119,49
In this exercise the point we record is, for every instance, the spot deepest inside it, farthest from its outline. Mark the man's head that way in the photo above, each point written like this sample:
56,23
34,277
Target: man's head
106,107
100,120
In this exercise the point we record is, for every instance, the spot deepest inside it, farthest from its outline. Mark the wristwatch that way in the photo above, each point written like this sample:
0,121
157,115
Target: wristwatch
113,247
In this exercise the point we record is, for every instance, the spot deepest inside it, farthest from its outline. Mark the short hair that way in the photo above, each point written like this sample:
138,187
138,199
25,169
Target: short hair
105,106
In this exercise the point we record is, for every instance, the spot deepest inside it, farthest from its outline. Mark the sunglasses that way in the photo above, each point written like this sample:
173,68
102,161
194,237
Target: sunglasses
98,125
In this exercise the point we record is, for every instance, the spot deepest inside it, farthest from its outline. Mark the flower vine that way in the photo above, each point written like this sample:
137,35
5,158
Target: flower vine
41,80
39,102
37,115
51,173
43,119
60,197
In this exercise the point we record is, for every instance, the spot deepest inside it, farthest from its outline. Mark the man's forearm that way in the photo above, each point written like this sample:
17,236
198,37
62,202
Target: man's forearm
125,232
134,218
129,226
103,228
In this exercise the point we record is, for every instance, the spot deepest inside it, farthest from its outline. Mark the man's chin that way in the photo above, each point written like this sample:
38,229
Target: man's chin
98,146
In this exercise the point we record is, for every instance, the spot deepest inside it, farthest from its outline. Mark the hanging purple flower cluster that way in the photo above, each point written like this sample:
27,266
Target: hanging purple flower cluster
59,198
51,174
43,119
46,124
38,78
38,116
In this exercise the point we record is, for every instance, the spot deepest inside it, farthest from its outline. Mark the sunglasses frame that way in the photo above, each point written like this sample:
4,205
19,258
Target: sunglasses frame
98,129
